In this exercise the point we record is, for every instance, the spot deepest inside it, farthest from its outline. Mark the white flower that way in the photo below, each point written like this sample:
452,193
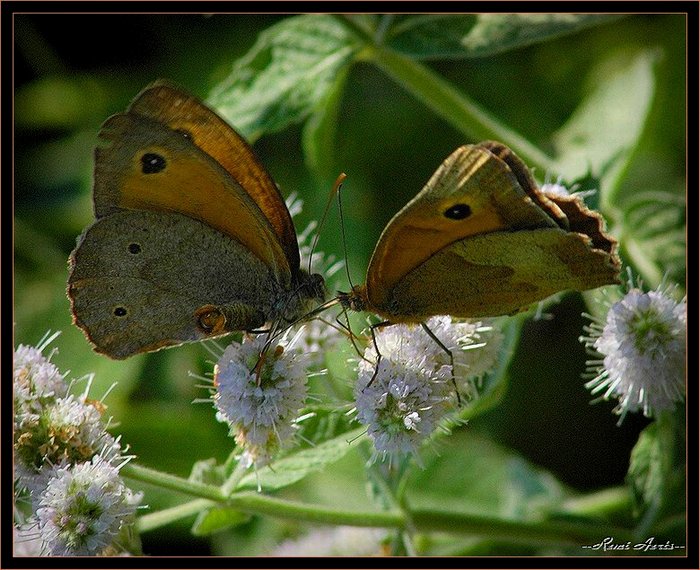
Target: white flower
404,398
643,343
36,380
70,430
83,509
474,347
403,405
316,338
339,541
260,396
557,189
410,393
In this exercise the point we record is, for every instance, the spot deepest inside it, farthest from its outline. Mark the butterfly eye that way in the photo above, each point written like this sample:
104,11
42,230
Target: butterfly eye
458,212
152,163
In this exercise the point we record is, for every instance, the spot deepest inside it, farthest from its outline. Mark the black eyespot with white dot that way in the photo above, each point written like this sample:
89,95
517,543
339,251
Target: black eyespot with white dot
119,312
134,248
152,163
458,212
185,133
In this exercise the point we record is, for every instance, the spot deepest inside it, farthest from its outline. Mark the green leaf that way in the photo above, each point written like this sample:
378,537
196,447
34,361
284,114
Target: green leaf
657,470
603,132
217,519
654,235
298,465
461,36
286,74
474,474
320,130
60,102
492,387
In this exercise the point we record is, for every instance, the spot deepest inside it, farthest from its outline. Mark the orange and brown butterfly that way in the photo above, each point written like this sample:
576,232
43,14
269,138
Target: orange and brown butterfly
481,240
192,238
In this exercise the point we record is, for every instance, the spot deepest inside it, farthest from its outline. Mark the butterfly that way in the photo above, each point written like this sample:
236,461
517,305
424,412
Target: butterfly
482,240
192,238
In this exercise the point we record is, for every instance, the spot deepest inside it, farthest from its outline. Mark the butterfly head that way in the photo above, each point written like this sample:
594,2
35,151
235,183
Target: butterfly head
355,300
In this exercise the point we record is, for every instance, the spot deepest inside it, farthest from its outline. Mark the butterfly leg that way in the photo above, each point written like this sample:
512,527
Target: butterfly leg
272,333
432,335
348,329
376,348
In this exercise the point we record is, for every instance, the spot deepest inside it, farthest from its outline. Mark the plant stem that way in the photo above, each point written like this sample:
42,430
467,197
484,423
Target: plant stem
232,482
453,106
166,481
422,520
157,519
544,532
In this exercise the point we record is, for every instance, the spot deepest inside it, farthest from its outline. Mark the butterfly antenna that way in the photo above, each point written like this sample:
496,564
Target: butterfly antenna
342,233
336,190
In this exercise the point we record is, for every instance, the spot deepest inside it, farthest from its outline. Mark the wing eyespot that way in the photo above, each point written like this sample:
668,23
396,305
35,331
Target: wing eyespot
185,133
210,320
458,212
120,312
134,248
152,163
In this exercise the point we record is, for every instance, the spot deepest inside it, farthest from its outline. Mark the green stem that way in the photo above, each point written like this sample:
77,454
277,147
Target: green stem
422,520
234,479
166,481
452,105
157,519
601,503
543,532
255,503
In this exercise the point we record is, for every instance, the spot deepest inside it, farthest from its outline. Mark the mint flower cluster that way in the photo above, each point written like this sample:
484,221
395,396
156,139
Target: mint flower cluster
642,342
66,465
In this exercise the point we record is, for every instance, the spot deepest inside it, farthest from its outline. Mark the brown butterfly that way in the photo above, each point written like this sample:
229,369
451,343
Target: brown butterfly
482,240
192,239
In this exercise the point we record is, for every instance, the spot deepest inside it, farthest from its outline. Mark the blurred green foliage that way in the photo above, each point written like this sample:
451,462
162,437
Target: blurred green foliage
388,143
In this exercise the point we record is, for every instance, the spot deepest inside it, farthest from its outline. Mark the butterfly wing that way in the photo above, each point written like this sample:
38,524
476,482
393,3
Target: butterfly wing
471,183
481,196
186,114
142,164
142,280
499,273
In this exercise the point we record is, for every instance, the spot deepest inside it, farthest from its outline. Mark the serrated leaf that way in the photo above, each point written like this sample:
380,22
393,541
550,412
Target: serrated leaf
217,519
298,465
285,75
602,133
460,36
654,227
646,470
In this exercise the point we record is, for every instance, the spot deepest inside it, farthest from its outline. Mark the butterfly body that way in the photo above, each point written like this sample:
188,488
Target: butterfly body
482,240
192,238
